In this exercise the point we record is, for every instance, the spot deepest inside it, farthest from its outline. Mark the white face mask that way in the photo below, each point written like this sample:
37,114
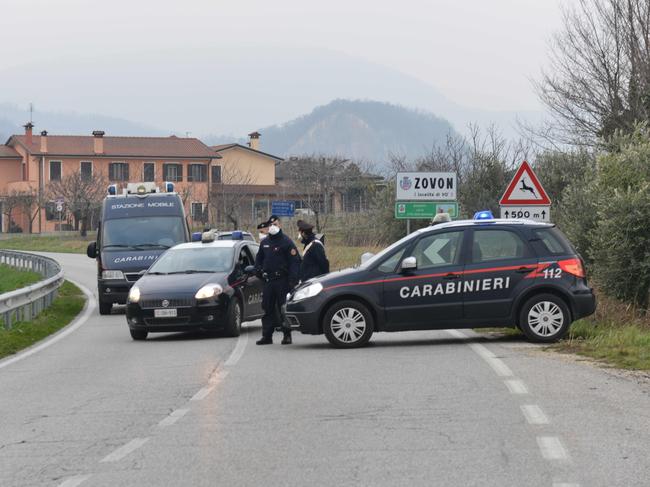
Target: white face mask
262,236
274,229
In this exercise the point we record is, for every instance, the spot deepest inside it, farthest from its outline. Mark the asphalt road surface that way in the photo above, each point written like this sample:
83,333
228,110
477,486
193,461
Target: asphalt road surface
441,408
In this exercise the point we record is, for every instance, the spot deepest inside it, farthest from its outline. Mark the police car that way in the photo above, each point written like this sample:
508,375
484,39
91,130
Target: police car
197,286
462,274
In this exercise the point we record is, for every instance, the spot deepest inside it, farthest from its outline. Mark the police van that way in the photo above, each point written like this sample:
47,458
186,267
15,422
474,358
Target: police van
135,227
463,274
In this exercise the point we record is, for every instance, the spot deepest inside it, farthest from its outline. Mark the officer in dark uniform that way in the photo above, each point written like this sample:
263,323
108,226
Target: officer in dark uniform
314,261
278,264
262,230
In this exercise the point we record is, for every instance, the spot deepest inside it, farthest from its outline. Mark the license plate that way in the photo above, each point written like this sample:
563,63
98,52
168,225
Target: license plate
165,313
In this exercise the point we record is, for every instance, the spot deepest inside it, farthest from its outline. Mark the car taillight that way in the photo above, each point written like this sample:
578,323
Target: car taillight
572,266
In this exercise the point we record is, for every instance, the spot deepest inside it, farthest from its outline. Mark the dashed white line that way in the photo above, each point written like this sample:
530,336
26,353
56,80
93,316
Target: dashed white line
534,414
499,367
237,353
552,448
564,484
123,451
516,386
173,417
74,481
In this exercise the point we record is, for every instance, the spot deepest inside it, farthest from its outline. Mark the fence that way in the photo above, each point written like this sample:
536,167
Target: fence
24,304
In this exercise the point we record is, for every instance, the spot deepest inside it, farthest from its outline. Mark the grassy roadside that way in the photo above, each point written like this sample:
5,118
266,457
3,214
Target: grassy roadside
618,339
67,244
64,309
11,278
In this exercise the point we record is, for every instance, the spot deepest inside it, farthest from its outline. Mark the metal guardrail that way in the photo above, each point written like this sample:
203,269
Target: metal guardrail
26,303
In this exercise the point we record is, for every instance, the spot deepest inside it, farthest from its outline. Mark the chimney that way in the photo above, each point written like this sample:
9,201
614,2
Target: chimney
254,140
98,141
44,141
28,133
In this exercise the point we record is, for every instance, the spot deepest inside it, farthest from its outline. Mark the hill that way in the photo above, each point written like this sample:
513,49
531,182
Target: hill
363,130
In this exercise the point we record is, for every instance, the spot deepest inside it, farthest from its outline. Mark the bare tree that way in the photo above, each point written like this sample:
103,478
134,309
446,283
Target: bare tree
82,196
11,203
30,203
228,198
599,76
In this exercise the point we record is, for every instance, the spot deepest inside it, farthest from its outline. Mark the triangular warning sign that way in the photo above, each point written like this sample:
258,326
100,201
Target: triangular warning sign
525,189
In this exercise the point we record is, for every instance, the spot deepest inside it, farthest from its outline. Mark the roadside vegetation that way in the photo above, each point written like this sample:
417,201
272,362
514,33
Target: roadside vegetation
65,244
11,278
63,310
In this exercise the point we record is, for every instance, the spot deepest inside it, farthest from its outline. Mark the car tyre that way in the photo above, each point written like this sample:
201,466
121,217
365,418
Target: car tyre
233,323
105,308
348,324
138,334
545,318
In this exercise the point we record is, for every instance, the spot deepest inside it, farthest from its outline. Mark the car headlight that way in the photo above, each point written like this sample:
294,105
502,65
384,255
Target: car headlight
208,291
308,292
112,275
134,294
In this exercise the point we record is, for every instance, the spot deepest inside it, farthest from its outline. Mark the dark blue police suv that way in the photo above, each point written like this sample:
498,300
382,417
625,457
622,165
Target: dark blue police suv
463,274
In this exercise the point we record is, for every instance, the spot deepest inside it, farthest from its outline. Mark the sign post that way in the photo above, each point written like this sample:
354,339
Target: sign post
283,208
525,197
421,195
59,209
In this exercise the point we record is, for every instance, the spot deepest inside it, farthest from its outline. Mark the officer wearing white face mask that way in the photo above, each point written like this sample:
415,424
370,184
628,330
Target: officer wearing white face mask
263,230
278,264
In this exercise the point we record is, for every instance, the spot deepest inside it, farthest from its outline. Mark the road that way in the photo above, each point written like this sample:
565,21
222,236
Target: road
423,408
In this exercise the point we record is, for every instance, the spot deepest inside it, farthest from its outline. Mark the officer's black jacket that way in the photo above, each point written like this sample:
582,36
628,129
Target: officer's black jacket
314,261
278,255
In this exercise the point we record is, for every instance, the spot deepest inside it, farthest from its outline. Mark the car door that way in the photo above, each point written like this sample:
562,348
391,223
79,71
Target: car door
429,296
496,273
253,285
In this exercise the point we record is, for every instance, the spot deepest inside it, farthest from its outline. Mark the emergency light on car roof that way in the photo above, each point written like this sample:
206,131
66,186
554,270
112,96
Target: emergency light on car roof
112,189
483,215
237,235
196,236
169,187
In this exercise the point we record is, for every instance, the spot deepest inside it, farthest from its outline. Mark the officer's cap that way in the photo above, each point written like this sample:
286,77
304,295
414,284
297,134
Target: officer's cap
303,226
263,225
273,219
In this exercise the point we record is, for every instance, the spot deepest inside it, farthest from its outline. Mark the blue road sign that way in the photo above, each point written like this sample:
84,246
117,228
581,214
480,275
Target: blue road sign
283,208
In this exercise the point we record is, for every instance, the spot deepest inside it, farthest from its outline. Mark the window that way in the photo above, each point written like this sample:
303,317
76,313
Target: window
172,172
149,172
438,250
553,241
245,258
490,245
389,264
216,174
197,172
198,212
86,170
118,171
55,170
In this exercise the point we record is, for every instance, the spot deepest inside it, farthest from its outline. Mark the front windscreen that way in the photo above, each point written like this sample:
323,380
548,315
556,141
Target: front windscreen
143,233
200,259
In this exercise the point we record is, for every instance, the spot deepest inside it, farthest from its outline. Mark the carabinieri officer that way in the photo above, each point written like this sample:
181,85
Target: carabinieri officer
278,263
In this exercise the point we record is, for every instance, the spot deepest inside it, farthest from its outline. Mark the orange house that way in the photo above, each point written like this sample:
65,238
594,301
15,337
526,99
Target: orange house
31,162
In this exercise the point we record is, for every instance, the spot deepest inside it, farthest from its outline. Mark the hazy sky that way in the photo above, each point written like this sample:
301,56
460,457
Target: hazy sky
480,53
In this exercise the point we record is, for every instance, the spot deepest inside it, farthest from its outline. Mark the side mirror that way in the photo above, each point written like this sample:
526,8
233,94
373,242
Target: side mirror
366,257
249,269
91,250
409,264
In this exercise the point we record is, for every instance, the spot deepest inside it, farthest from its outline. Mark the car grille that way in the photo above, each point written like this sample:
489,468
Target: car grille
132,277
180,320
173,303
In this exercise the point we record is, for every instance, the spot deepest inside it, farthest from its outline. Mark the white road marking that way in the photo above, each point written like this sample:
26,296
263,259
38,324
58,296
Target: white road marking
501,369
237,353
203,393
173,417
516,386
89,307
534,414
564,484
552,448
123,451
75,481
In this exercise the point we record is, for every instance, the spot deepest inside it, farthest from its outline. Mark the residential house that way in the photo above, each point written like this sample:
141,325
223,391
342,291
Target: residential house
31,162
